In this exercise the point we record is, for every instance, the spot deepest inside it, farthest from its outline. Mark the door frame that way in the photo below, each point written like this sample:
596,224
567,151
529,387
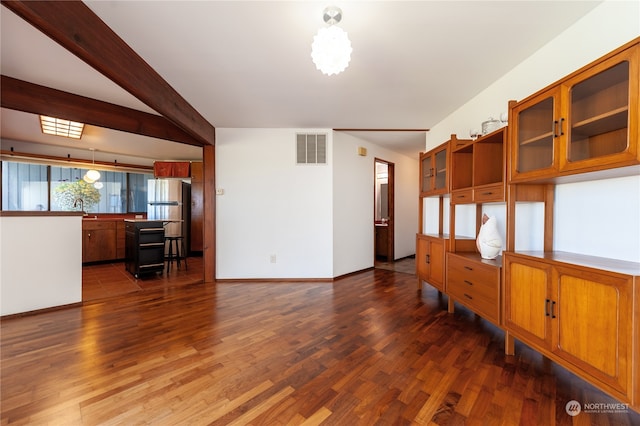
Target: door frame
390,206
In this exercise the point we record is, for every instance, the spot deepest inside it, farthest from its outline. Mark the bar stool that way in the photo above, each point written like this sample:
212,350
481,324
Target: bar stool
175,250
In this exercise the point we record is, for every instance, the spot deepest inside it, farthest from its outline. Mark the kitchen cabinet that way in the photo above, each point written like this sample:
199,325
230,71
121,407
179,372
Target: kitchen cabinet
475,283
430,260
171,169
98,240
197,207
120,239
584,318
144,246
586,122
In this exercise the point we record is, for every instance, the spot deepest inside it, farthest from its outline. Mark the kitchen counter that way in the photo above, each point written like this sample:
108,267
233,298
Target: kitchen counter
41,260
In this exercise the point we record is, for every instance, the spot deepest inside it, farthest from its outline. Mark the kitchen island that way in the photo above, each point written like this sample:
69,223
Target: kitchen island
144,246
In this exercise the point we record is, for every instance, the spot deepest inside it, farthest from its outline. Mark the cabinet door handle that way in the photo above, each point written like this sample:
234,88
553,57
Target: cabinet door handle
89,235
468,297
427,259
546,307
561,123
553,308
468,282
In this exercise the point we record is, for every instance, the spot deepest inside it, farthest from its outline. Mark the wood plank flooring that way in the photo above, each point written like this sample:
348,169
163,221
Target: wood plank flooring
367,349
104,280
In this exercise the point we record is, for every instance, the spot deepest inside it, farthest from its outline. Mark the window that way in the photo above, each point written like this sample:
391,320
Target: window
26,187
138,191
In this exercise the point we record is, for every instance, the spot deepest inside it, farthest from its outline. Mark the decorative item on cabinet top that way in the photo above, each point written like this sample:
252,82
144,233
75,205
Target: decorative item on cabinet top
171,169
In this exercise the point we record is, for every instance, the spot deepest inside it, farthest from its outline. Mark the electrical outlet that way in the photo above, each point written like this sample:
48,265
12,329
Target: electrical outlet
273,258
219,191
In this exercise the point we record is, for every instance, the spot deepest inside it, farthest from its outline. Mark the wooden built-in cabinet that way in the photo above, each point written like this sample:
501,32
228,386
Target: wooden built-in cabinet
434,179
582,317
478,176
580,311
435,184
475,283
98,241
585,122
430,259
478,169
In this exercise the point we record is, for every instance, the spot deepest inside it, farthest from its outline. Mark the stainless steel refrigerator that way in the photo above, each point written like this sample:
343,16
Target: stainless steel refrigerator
168,200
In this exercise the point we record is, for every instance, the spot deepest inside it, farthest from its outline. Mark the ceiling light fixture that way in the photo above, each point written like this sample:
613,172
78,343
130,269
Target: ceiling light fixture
60,127
331,48
92,175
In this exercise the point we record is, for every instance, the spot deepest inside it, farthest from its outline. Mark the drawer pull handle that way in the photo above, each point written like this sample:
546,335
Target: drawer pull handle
468,268
487,193
468,282
468,297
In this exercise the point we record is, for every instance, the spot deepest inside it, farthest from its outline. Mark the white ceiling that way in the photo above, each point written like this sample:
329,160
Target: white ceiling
247,64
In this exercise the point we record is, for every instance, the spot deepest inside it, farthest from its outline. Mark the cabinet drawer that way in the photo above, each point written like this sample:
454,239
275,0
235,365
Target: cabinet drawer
475,285
92,225
462,196
489,193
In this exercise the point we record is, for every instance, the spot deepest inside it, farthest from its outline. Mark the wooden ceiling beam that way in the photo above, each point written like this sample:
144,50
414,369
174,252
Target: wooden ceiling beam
32,98
76,28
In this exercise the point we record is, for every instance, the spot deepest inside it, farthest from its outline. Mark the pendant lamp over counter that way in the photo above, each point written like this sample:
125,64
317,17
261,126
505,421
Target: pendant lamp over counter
93,175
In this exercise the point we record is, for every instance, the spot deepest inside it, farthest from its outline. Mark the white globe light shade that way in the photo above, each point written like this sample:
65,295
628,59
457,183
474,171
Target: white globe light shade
331,50
98,185
87,179
94,175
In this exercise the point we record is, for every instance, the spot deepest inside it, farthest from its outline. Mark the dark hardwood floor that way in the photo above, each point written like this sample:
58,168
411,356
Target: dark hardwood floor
367,349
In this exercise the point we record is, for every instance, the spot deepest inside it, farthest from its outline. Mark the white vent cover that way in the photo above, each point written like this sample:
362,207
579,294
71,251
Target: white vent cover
311,148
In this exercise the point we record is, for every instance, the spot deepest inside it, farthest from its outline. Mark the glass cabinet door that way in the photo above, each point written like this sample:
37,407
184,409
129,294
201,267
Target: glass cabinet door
426,174
598,116
536,131
440,170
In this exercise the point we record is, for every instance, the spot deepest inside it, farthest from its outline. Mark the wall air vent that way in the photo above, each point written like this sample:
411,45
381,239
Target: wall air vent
311,148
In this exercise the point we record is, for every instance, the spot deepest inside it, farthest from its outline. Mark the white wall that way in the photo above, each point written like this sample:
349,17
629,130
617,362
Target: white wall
41,262
271,206
353,210
600,231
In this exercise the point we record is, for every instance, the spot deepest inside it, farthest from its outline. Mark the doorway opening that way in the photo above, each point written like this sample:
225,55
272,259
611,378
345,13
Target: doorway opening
383,211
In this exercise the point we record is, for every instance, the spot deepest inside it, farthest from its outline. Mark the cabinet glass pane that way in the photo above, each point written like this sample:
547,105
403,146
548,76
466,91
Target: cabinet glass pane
426,174
535,136
441,170
599,114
